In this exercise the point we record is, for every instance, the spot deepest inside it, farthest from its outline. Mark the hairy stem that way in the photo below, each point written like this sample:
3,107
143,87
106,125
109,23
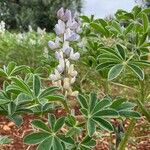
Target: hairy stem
128,133
66,107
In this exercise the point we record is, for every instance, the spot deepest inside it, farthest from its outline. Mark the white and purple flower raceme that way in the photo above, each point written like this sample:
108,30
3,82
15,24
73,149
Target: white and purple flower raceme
66,30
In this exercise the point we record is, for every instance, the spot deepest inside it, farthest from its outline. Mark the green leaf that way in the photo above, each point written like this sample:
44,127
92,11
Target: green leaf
3,99
116,103
83,101
36,85
125,106
11,66
22,85
46,144
5,140
106,113
137,70
11,108
2,73
59,123
98,27
117,26
85,19
88,142
104,124
48,91
35,138
17,119
121,51
142,63
67,140
57,144
115,71
101,104
129,114
84,111
55,97
90,127
40,125
51,120
129,28
142,39
105,65
145,22
92,101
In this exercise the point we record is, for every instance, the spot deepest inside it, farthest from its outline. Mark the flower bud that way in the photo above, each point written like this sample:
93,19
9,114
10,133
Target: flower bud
60,28
72,24
72,80
52,45
66,84
75,93
59,55
60,13
67,16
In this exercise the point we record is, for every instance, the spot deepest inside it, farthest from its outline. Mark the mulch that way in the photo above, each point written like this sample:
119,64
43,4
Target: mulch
140,139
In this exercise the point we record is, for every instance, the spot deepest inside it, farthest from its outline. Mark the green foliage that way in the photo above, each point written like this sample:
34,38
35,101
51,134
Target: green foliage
4,140
98,112
19,14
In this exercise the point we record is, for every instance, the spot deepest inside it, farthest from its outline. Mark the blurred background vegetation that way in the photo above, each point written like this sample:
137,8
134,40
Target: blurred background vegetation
19,14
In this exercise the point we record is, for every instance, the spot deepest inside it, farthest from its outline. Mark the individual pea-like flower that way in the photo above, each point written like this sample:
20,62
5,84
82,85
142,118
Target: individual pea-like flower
71,71
56,76
69,35
64,15
60,27
54,45
66,83
66,48
74,56
66,32
61,66
72,24
60,13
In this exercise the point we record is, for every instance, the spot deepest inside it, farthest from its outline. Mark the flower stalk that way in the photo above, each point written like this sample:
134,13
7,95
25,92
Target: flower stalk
67,32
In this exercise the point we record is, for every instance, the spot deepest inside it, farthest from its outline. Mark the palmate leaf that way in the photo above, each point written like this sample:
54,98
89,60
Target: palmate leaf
115,71
137,70
48,91
121,51
59,123
40,125
36,85
104,123
98,27
83,101
145,22
97,109
129,114
101,104
35,138
22,85
105,65
91,126
106,113
46,144
87,143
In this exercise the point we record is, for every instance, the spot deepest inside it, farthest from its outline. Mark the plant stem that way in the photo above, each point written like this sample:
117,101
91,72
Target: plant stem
66,107
133,121
144,111
127,135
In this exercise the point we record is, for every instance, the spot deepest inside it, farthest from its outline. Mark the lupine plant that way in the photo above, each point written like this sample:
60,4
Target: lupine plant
115,50
118,49
72,131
